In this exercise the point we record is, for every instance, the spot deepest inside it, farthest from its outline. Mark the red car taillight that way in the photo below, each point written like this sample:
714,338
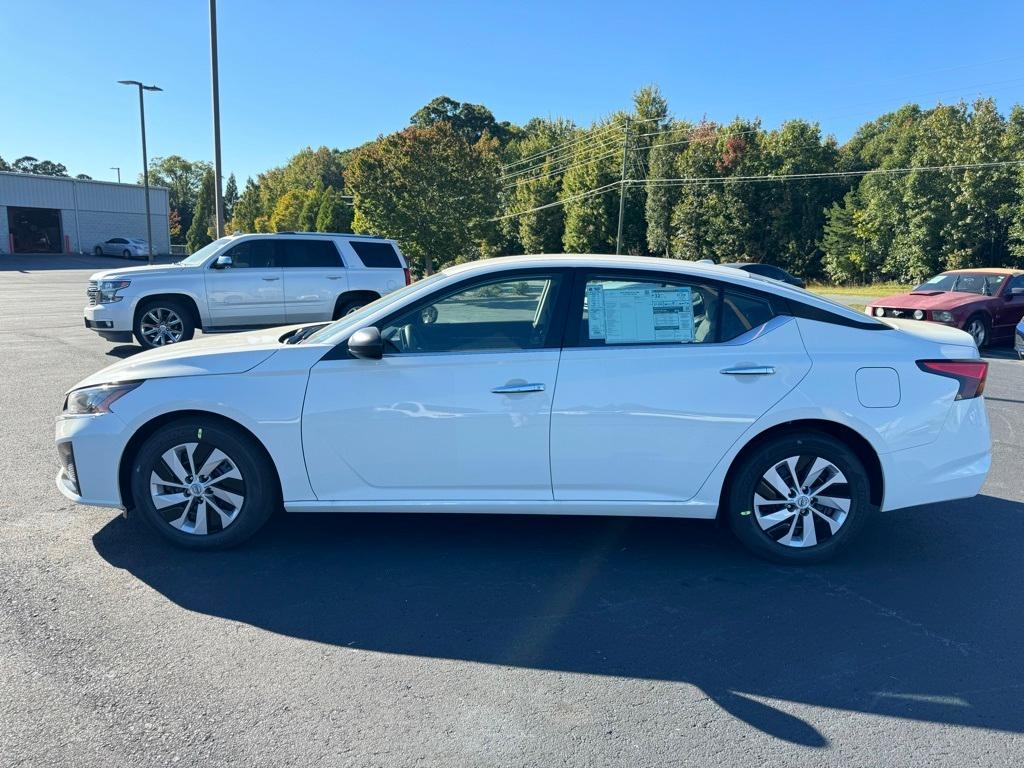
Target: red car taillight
408,276
969,374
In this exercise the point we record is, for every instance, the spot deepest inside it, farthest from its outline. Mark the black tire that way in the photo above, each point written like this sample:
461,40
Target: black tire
126,253
159,307
985,329
97,251
745,515
347,306
257,487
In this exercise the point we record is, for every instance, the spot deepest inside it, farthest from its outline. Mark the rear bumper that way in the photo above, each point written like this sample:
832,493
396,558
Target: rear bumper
954,466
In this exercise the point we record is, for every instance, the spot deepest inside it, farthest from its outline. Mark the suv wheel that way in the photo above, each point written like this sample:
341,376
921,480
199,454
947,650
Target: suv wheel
348,307
799,498
203,485
163,321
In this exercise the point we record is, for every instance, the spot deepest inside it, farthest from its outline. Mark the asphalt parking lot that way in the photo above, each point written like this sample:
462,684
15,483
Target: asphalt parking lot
410,640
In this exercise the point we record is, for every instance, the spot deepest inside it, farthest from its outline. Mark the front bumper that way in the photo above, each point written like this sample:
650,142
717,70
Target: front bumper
97,443
111,321
953,466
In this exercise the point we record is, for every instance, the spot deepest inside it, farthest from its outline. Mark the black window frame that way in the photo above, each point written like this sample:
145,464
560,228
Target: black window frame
552,340
248,241
574,320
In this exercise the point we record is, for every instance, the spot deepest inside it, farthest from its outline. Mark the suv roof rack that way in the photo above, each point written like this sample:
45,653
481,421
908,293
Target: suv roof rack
336,234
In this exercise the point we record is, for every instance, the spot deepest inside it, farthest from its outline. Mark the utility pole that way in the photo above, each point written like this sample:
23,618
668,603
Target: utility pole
145,160
218,195
118,169
622,188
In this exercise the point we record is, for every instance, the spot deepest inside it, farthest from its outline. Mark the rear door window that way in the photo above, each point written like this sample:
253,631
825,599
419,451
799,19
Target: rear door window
308,254
376,255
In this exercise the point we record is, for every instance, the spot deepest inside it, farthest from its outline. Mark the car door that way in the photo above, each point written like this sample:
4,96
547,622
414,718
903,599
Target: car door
314,277
659,376
112,247
1008,309
458,408
250,292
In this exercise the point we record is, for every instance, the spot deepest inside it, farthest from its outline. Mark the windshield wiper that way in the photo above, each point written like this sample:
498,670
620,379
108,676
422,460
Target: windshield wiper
303,333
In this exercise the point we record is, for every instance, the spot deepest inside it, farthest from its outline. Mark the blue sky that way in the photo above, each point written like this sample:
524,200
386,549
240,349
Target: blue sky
308,72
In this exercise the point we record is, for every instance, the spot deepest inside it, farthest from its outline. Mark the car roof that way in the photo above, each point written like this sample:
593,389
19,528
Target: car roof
985,271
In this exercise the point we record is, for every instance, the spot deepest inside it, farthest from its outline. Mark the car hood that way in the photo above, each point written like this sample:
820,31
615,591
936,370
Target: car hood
929,300
210,355
129,273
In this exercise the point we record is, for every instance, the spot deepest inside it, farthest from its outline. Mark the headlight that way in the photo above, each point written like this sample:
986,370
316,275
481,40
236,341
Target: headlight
108,290
942,317
919,314
879,311
89,400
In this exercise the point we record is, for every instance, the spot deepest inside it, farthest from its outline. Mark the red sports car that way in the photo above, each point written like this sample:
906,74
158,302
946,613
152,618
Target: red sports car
987,303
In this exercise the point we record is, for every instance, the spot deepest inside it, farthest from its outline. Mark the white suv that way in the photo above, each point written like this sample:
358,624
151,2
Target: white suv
244,281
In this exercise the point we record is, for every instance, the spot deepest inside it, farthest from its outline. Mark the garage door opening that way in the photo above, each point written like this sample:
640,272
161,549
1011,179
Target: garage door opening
35,230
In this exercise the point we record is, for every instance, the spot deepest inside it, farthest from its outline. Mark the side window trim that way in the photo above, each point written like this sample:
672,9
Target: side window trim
553,339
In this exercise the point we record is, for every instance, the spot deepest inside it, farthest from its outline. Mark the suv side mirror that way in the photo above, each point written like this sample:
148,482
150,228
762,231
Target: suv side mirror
366,344
223,262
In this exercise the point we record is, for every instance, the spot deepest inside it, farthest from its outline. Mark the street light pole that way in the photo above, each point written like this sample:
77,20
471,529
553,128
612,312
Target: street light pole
218,197
118,169
145,159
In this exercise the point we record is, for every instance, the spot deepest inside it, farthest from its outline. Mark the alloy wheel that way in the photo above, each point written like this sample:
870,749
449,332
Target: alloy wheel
977,330
802,501
197,488
161,326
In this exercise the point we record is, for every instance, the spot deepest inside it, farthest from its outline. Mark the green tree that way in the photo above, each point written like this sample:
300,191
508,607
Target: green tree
4,165
199,232
1013,149
471,121
335,214
589,191
428,188
230,197
29,164
245,212
311,207
288,211
183,179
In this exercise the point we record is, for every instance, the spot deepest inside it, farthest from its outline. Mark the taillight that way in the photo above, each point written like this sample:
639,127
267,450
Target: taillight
408,276
969,374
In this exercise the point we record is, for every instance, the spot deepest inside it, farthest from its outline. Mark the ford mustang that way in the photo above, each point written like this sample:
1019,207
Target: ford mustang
987,303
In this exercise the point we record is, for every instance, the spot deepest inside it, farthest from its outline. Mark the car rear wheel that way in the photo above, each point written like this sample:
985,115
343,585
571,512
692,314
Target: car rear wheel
799,498
126,253
977,326
348,307
203,484
162,322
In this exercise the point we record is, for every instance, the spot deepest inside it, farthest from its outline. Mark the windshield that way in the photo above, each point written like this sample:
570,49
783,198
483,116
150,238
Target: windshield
201,255
330,334
964,282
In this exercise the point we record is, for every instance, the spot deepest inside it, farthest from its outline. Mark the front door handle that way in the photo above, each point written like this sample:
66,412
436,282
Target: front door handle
753,370
517,389
334,277
271,279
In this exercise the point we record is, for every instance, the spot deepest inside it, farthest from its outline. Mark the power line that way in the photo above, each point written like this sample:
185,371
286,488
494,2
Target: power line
588,193
682,181
600,145
590,134
562,169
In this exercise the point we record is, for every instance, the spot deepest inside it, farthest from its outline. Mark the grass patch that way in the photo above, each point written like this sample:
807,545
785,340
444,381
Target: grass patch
872,289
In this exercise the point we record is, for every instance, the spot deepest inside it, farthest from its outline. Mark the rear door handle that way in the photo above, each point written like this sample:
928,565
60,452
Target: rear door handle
753,370
271,279
516,389
334,277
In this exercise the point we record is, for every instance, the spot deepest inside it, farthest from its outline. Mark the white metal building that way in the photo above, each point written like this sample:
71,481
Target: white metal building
54,214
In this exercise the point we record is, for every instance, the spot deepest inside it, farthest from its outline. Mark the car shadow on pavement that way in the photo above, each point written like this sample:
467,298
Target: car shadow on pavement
919,619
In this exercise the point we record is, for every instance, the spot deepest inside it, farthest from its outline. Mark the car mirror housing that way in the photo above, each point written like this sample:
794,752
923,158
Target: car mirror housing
223,262
1014,293
366,344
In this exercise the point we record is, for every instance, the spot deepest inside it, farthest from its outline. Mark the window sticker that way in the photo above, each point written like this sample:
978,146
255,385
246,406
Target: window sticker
640,315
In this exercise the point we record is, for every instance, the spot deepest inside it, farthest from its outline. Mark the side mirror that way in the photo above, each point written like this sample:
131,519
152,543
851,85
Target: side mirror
366,344
1013,293
223,262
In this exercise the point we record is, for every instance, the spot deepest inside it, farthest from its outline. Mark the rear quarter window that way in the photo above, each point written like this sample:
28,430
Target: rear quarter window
376,255
741,313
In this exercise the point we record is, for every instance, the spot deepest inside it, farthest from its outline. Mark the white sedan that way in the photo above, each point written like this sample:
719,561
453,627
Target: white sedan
593,385
127,247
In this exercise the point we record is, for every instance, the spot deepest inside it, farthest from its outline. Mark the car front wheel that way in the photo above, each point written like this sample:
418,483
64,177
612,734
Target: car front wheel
162,322
799,498
203,484
98,251
978,328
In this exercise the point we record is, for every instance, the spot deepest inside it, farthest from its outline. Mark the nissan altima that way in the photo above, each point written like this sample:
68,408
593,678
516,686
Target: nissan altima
584,385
